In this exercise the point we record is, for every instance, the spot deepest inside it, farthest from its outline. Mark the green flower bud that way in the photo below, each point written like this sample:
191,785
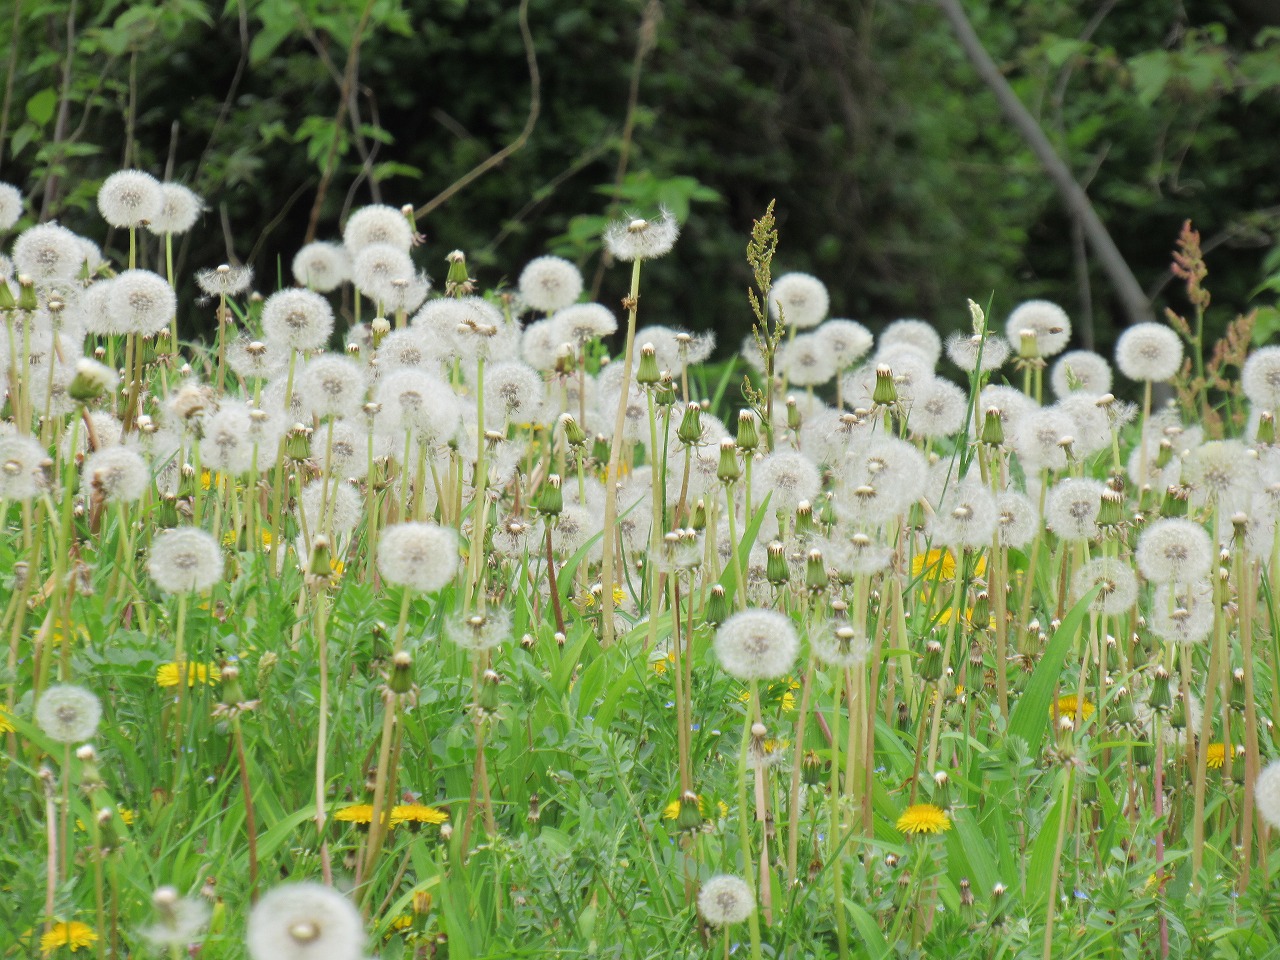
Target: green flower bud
805,527
717,606
815,573
1266,424
1164,454
27,294
690,430
698,517
931,665
992,428
297,444
600,449
551,499
1028,345
793,414
776,570
487,697
666,392
886,391
941,789
690,816
1175,502
812,771
1111,511
748,436
728,471
573,432
7,302
232,691
401,679
648,372
321,559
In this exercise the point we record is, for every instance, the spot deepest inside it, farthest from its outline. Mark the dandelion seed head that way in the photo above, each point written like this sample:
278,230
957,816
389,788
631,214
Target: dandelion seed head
549,284
757,645
938,409
1117,585
1149,353
800,298
725,899
68,713
304,921
638,239
1174,550
185,560
582,323
420,555
1266,791
1071,509
48,253
180,208
130,198
377,223
805,361
10,205
119,473
1048,321
21,474
1182,614
141,302
1081,370
847,341
968,351
331,385
322,266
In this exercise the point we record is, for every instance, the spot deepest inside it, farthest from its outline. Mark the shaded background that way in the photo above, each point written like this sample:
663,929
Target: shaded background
897,180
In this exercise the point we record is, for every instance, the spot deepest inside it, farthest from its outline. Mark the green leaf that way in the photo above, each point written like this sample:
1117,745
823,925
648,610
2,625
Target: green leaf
1030,716
40,107
1150,71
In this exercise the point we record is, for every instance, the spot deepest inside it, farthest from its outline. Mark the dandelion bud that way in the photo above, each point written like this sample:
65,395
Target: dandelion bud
728,471
941,789
27,299
981,616
793,414
91,381
886,391
717,606
559,638
805,527
457,283
1175,502
320,565
690,430
689,817
297,445
698,517
379,328
1178,713
401,680
551,500
815,573
600,449
487,696
931,667
1111,510
1266,428
1028,347
748,436
776,570
7,302
647,373
665,396
573,432
1237,689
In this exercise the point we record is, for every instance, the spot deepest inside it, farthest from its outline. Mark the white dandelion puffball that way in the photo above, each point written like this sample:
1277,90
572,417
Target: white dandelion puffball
120,474
321,266
1149,353
331,385
580,323
1266,793
48,252
1047,321
725,899
1261,378
917,334
141,302
21,476
938,410
1174,550
1118,587
968,351
297,319
10,205
130,198
1080,370
185,560
305,921
801,298
421,556
377,223
549,284
180,207
639,239
847,341
68,713
790,477
1072,508
757,645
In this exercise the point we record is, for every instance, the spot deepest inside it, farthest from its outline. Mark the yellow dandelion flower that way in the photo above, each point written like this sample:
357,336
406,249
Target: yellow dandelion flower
1216,754
941,565
167,674
402,922
68,933
1066,707
361,813
6,724
124,813
660,661
924,818
208,479
416,814
588,598
672,810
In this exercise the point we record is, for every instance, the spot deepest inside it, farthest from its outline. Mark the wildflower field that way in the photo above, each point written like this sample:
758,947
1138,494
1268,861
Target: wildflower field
475,620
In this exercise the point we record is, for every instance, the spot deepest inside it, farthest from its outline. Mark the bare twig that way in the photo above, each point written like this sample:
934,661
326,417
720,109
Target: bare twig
1126,285
9,72
535,108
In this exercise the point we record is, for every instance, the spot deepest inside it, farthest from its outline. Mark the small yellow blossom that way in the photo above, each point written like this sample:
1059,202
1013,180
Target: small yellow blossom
924,818
660,662
417,813
1216,753
68,933
361,813
167,674
587,599
6,723
1066,707
941,565
672,809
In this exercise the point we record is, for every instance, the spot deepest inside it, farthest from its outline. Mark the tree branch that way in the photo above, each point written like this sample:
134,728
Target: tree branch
1077,201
